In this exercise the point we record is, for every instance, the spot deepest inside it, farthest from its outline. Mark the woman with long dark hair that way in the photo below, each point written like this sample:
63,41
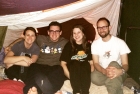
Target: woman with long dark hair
76,60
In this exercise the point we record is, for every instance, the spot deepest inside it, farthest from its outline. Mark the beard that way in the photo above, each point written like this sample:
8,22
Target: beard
103,36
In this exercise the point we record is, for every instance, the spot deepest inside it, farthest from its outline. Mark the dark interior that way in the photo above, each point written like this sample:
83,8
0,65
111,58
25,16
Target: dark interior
133,40
130,23
67,27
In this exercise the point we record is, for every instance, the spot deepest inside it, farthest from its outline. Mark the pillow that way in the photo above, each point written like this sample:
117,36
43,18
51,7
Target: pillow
11,87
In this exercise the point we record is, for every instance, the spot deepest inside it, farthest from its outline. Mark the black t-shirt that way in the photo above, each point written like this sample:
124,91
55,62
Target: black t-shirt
79,55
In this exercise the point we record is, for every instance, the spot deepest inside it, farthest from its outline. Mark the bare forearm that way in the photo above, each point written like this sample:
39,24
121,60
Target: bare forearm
125,67
100,69
21,63
66,71
92,66
12,60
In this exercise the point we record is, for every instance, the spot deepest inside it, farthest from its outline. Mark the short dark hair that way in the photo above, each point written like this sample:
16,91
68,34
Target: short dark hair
30,28
105,19
55,23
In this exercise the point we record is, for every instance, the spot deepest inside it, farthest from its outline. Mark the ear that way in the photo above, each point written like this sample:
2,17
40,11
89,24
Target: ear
110,27
48,32
60,32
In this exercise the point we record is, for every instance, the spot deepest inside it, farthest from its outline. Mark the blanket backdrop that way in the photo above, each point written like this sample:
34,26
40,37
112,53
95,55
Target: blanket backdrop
91,10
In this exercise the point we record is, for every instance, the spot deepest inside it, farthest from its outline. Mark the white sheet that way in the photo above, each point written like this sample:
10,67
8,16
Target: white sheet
91,10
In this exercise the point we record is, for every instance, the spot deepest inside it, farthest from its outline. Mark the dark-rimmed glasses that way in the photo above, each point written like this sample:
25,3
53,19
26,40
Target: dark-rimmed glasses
103,27
56,31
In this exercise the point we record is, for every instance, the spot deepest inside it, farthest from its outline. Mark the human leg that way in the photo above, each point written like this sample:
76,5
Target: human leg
44,84
85,77
56,77
75,78
114,86
30,82
98,78
13,72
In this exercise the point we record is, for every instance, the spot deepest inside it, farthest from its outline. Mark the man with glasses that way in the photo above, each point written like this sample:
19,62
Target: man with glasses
110,59
46,74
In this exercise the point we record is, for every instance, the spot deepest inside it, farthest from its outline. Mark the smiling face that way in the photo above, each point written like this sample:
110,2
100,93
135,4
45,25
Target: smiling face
54,32
78,35
103,28
29,37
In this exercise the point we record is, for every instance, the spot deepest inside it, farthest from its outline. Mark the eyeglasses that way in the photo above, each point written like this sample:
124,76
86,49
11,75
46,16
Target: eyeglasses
52,31
103,27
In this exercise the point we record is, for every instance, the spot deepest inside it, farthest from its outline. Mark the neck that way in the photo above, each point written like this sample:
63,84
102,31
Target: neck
107,38
54,40
79,43
27,45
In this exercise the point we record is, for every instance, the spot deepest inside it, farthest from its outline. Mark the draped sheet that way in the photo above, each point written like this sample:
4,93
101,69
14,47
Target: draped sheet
91,10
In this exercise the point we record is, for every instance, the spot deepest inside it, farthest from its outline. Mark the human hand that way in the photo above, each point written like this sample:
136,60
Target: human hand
113,72
110,72
104,71
28,60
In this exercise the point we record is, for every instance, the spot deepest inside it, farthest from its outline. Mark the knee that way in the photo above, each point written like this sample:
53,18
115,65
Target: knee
95,78
113,84
39,76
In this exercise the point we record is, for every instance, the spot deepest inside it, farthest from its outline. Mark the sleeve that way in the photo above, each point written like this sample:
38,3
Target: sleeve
94,48
14,49
124,48
66,53
36,50
39,39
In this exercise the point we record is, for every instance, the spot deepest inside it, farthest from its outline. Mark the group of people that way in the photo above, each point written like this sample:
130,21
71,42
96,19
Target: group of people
43,63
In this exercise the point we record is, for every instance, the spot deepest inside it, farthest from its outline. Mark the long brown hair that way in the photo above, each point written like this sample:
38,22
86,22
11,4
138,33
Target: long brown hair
84,40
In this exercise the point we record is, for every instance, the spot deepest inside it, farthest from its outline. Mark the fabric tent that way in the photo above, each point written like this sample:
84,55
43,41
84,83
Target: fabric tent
90,10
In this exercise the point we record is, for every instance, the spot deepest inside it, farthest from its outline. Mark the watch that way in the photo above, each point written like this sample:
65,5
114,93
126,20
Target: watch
123,71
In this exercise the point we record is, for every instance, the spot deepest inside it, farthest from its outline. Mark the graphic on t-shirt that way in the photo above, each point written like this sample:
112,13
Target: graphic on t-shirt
25,54
50,50
107,54
80,56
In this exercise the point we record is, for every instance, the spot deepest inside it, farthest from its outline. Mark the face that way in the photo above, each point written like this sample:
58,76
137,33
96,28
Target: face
54,33
29,37
103,28
78,35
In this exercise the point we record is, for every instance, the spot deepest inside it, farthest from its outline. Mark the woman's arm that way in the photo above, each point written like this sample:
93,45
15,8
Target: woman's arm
66,71
11,60
91,64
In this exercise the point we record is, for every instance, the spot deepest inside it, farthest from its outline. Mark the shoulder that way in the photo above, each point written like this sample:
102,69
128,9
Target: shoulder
97,41
19,43
35,45
68,43
118,39
63,39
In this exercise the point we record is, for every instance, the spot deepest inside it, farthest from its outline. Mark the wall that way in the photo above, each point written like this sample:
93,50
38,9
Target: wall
130,30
